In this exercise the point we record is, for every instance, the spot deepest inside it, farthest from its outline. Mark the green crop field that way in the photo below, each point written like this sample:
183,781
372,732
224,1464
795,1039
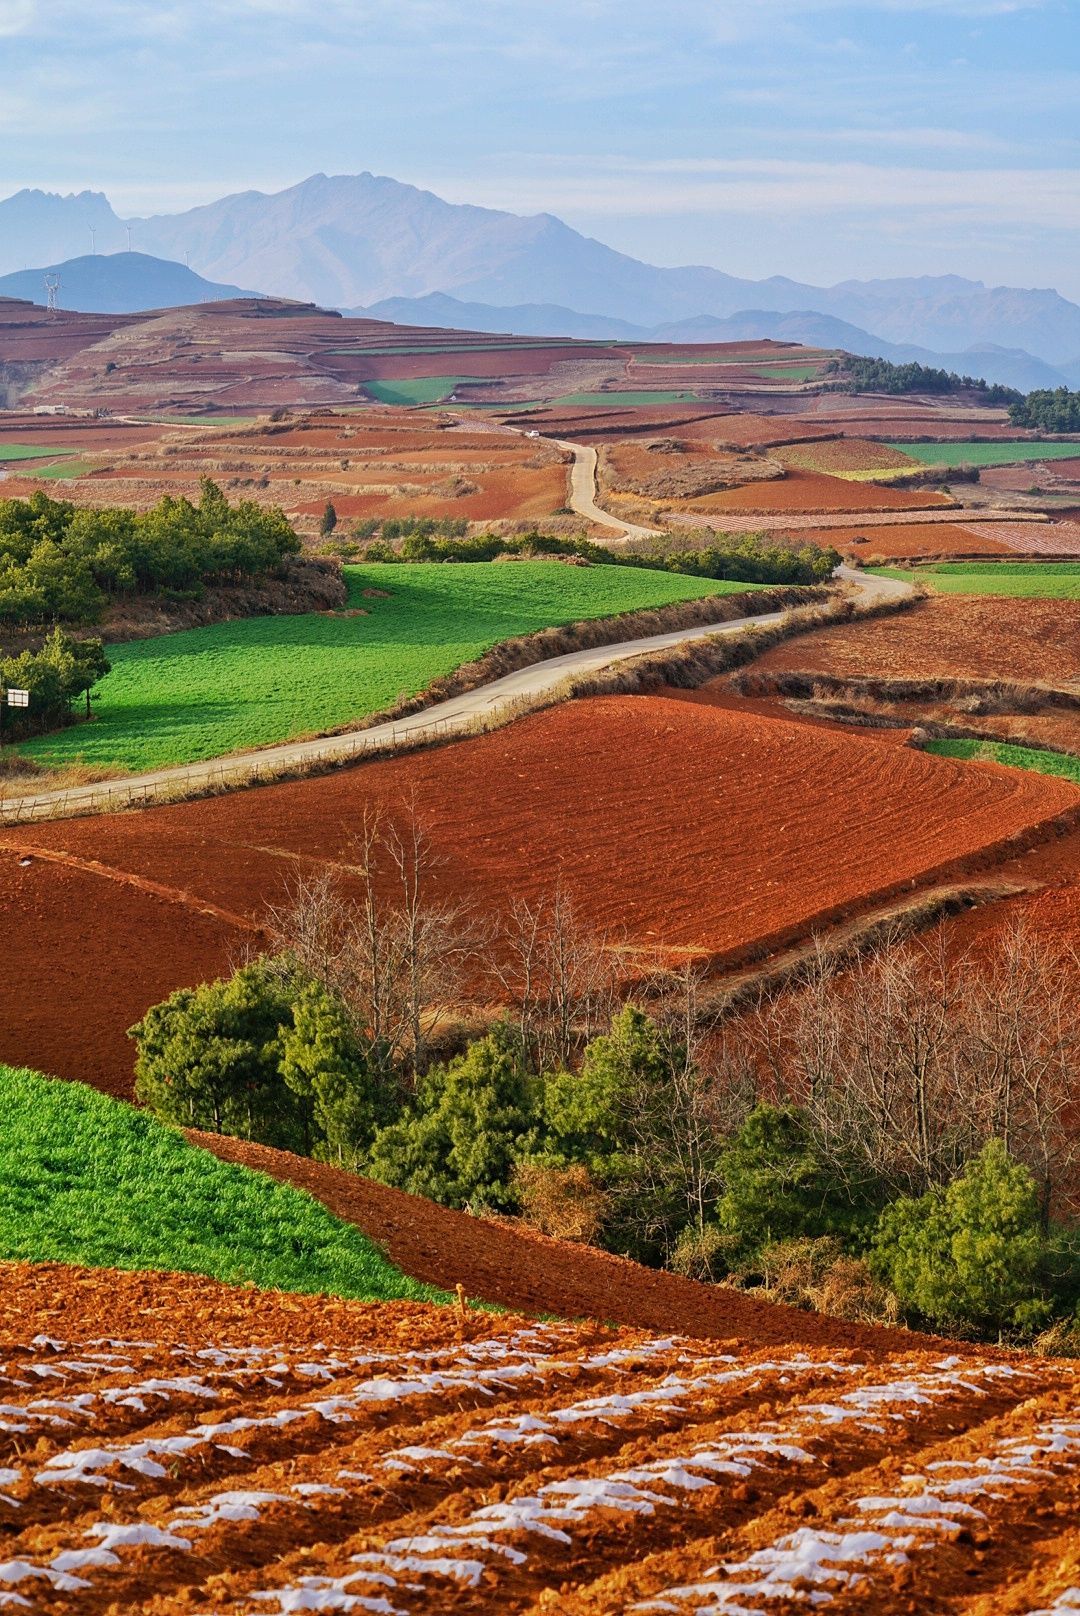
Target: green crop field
986,454
31,451
1017,757
626,401
87,1179
209,691
419,389
63,469
1019,580
791,373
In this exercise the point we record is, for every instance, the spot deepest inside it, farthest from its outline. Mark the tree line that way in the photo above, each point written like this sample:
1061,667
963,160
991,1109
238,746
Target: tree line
897,1136
63,564
737,557
1048,410
859,374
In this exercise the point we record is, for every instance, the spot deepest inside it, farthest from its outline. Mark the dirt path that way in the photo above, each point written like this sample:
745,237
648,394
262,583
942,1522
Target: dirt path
583,493
506,1262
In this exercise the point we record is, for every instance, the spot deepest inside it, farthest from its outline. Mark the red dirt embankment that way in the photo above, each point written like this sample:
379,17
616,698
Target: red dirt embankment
499,1260
674,824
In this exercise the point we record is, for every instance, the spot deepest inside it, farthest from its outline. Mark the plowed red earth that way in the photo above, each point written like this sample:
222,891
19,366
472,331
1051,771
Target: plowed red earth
177,1449
810,492
926,540
946,637
674,824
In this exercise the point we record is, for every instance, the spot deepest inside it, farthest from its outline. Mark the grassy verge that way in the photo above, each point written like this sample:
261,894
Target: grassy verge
87,1179
1018,580
987,454
203,693
1017,757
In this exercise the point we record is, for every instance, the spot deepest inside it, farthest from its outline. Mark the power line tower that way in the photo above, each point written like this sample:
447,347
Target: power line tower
93,242
52,289
130,229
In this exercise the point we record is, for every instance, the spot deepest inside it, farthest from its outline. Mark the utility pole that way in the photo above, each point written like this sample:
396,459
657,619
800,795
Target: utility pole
93,242
130,232
52,288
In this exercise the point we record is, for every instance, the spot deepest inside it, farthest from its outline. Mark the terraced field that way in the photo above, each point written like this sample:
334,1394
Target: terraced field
229,1454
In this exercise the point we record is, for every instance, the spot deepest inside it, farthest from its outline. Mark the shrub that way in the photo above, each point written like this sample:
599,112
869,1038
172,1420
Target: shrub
968,1256
706,1253
471,1121
777,1185
565,1202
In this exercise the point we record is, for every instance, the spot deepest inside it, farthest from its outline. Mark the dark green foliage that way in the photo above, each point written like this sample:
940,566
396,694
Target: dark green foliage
968,1255
1048,410
62,564
863,375
265,1055
329,520
737,557
63,669
336,1079
469,1123
777,1186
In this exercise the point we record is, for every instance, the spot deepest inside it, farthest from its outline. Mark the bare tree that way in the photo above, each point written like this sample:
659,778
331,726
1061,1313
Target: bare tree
561,976
394,953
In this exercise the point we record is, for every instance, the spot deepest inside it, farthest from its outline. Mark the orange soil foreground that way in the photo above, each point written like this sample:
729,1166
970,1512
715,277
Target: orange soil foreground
172,1447
677,824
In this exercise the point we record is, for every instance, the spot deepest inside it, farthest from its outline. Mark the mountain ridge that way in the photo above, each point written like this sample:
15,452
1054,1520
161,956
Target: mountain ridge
356,240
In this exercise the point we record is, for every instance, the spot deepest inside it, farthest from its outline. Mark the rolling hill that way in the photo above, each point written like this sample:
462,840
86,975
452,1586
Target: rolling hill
118,283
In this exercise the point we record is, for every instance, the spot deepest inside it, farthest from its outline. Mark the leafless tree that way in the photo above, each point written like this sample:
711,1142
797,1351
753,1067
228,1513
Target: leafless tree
561,976
394,953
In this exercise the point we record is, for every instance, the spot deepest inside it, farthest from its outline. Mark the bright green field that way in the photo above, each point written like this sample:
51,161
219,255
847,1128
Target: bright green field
63,469
791,373
1017,757
1020,580
31,451
209,691
627,401
418,389
986,454
87,1179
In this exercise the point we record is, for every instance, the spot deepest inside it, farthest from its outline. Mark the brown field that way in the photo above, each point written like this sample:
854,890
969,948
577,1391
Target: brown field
392,1460
841,454
811,493
948,637
672,824
678,468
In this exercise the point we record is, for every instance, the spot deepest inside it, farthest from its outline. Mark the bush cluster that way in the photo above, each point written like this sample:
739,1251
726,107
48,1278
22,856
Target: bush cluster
735,557
62,564
611,1151
55,676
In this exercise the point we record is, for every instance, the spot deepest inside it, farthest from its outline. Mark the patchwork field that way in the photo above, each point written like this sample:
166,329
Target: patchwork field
395,1460
202,693
1024,580
792,826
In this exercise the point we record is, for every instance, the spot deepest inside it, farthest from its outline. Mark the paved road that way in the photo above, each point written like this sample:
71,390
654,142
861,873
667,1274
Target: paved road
583,493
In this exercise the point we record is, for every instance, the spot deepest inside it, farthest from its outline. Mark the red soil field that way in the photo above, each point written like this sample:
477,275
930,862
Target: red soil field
675,824
947,637
927,541
810,492
197,1449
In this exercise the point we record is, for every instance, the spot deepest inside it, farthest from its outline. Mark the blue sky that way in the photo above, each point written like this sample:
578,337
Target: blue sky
820,140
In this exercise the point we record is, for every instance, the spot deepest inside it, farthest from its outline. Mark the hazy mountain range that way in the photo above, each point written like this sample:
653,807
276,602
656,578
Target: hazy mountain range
356,241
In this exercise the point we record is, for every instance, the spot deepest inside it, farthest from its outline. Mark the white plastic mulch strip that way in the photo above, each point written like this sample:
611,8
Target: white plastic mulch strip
816,1564
465,1552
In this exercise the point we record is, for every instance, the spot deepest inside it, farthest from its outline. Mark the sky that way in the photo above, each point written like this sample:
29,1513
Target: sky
821,140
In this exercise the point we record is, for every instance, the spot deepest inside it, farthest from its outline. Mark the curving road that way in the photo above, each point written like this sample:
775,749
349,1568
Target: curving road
459,715
583,493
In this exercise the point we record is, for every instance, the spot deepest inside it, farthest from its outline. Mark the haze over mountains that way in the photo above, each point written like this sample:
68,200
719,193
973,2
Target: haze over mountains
357,241
118,283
